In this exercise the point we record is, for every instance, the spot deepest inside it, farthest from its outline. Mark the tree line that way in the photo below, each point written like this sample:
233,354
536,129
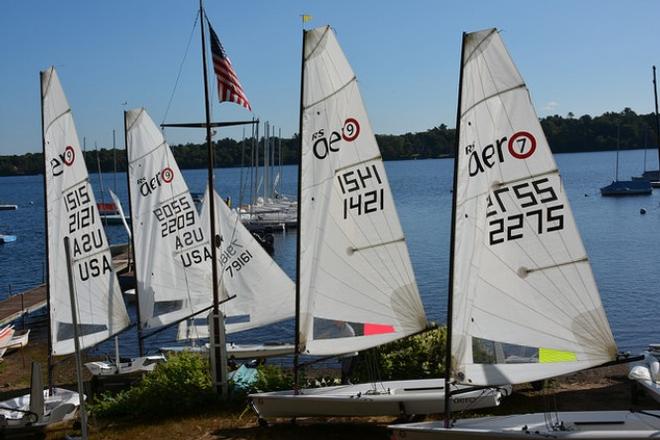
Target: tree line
565,134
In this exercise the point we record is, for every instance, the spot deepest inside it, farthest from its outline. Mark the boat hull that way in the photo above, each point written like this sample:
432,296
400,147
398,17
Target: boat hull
240,351
594,425
61,406
395,398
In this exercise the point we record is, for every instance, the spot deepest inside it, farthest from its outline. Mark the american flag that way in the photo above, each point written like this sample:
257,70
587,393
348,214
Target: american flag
229,87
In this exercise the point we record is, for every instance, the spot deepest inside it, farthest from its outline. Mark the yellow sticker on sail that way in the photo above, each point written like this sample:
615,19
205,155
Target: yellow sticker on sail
548,355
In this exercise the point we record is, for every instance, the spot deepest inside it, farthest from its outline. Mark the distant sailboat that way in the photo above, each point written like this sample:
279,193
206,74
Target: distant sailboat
634,187
653,176
524,305
356,286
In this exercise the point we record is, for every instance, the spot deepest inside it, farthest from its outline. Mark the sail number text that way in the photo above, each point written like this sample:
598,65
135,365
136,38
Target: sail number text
174,216
233,259
362,190
538,207
86,234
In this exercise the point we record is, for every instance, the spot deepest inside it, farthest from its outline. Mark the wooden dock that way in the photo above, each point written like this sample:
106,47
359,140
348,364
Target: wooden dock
33,299
17,305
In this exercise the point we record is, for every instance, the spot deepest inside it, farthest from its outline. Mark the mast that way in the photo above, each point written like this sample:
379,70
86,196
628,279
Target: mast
114,161
217,349
657,118
450,289
130,210
76,338
618,139
47,274
300,154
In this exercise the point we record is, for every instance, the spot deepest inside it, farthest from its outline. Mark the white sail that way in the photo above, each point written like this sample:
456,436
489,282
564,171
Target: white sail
357,285
526,305
172,253
72,212
120,210
264,294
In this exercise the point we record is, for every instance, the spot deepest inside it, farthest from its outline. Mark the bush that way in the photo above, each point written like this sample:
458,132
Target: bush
181,384
416,357
272,378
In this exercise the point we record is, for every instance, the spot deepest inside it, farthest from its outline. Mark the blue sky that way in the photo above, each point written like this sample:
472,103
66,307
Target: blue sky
576,56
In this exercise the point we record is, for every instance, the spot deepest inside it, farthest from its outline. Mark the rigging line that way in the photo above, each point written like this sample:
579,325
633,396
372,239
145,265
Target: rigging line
178,76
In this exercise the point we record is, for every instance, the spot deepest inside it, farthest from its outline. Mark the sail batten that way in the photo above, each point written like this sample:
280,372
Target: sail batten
526,305
357,286
72,212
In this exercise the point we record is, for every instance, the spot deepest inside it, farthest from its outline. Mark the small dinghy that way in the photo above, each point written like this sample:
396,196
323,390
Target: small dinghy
593,425
142,364
7,238
6,333
647,374
239,351
18,340
37,409
391,398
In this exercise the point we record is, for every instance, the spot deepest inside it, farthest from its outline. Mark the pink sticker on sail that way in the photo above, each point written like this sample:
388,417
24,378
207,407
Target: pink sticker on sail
377,329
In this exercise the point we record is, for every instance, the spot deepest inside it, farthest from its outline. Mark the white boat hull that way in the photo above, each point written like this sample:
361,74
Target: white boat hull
61,406
240,351
142,364
394,398
577,425
652,389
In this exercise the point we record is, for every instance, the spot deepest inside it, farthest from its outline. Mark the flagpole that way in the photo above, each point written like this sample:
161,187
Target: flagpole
218,362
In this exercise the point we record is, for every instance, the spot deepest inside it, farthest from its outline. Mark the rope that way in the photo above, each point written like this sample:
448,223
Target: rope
178,76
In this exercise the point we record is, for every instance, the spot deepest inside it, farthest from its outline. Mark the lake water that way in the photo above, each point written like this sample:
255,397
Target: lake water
624,246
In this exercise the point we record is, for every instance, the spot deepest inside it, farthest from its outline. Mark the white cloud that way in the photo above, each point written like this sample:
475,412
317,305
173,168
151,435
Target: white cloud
551,106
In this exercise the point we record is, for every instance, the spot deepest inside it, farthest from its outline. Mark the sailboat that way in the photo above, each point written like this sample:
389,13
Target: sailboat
523,304
261,292
172,251
355,286
653,176
634,187
71,213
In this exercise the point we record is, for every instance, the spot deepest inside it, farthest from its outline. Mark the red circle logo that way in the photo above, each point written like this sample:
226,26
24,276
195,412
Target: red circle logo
351,130
69,155
522,144
167,174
